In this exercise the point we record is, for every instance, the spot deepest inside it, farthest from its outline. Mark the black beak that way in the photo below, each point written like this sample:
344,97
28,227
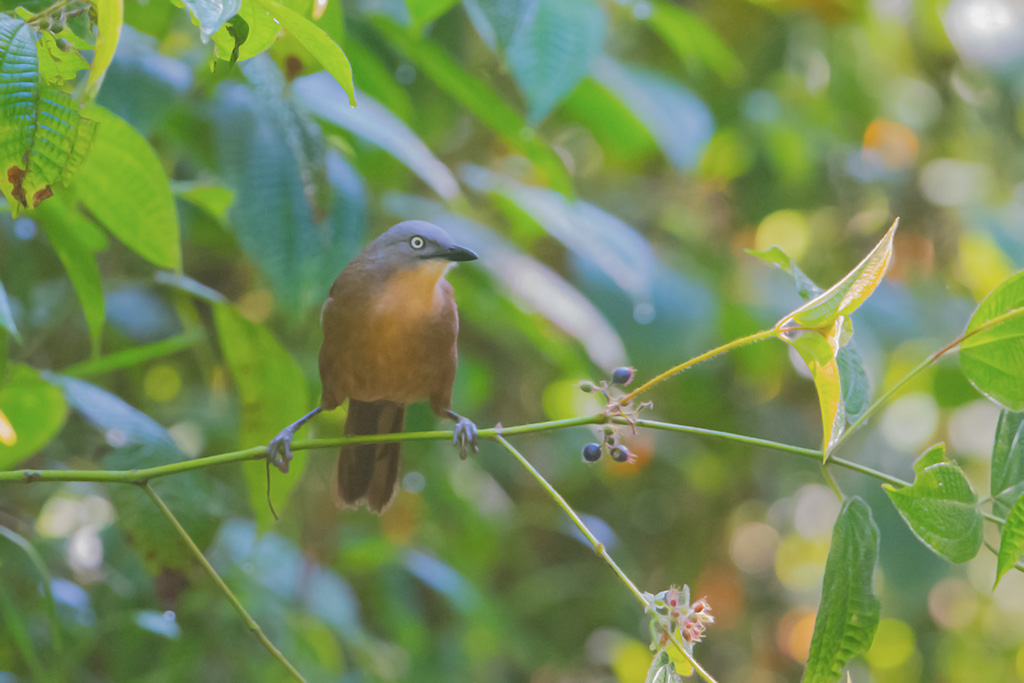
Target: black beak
457,253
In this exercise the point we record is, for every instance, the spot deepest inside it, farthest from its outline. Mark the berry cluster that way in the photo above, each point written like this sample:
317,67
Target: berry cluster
592,452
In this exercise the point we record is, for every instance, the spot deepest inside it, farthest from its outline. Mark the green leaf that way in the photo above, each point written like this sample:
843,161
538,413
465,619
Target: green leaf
594,234
844,297
484,102
816,352
191,496
1011,543
76,241
425,11
262,32
212,14
551,53
34,411
375,124
6,316
1007,480
940,508
56,65
109,18
498,20
124,186
993,359
848,614
134,356
43,138
272,393
694,41
319,44
271,215
677,119
119,422
853,379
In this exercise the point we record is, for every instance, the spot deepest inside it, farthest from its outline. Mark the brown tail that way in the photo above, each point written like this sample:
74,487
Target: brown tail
369,471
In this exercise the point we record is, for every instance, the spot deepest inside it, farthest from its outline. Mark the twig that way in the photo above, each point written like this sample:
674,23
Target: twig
598,546
249,621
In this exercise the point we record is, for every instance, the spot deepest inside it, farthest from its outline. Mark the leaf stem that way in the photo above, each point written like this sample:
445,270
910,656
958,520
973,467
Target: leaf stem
736,343
597,545
249,621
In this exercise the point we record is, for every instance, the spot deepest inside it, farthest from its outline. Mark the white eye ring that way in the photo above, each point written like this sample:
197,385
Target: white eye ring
416,242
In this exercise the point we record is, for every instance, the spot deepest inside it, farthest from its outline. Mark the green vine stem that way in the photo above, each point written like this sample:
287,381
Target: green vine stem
734,344
249,621
894,389
598,546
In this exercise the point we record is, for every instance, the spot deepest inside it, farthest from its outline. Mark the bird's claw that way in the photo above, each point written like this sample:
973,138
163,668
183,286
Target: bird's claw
465,436
279,450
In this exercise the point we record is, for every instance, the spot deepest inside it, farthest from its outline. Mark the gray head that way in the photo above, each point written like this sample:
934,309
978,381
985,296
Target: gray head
411,243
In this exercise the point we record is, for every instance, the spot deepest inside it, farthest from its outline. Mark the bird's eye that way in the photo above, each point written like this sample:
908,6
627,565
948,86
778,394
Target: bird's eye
416,242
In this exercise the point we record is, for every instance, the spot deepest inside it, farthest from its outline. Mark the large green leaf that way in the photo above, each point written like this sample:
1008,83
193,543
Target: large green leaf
212,14
993,359
120,423
34,411
191,496
497,20
553,51
43,138
123,184
1011,543
679,120
6,316
821,361
76,241
319,44
271,215
109,18
1007,480
425,11
848,614
594,234
941,507
272,393
694,41
484,102
375,124
844,297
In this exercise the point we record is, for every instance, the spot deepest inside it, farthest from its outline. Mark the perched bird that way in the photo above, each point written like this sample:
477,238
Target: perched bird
390,329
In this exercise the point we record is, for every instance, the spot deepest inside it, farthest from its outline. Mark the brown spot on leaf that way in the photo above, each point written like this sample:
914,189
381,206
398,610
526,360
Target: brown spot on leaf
16,176
292,67
41,195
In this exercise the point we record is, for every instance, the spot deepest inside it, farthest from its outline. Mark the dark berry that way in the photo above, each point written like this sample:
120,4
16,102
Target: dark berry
620,454
592,452
622,376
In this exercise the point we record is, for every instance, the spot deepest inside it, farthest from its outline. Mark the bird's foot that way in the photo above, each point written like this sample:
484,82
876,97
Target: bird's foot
279,451
465,435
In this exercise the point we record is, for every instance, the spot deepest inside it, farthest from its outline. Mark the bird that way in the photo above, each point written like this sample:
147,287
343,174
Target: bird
390,331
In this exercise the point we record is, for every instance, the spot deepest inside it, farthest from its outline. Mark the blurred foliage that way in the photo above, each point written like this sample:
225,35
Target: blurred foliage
170,242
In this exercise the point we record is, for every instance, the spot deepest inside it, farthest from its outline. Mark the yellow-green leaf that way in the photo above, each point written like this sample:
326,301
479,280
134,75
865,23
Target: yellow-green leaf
819,355
34,412
313,38
844,297
109,18
123,184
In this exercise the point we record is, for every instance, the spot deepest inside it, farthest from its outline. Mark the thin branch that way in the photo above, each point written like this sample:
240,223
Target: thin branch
736,343
249,621
884,398
598,546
